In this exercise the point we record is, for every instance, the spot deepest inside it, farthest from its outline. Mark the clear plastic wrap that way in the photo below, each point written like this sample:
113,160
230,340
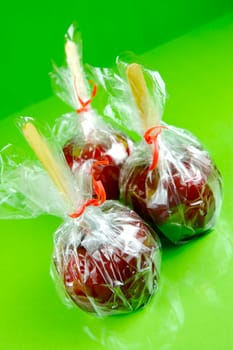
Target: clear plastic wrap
83,133
169,178
182,195
106,259
120,110
26,189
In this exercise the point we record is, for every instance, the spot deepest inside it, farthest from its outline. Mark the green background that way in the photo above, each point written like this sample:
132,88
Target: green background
193,308
32,35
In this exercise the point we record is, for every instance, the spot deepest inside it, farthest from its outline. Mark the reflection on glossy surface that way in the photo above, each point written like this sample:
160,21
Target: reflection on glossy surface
198,281
165,315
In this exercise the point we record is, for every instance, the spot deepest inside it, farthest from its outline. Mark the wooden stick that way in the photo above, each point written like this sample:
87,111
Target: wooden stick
141,95
44,154
74,64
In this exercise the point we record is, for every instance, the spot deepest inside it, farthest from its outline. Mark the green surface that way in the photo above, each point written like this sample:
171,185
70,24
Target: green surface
32,35
193,308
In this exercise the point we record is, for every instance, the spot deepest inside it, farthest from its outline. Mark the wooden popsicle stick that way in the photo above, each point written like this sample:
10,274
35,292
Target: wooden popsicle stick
74,64
141,95
44,154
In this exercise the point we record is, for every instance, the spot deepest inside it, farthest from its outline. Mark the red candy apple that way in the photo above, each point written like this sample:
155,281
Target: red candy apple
173,183
88,138
114,149
181,195
108,260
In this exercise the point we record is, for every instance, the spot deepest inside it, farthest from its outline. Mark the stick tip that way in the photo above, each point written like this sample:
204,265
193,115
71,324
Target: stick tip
69,46
26,127
133,69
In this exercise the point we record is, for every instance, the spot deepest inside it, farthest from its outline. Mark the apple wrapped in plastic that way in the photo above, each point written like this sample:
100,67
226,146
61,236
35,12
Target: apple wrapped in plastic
108,260
182,194
83,134
100,145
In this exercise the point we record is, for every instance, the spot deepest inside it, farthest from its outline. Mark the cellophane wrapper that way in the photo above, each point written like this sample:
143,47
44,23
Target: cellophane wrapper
182,196
83,134
100,144
27,191
120,110
107,113
108,260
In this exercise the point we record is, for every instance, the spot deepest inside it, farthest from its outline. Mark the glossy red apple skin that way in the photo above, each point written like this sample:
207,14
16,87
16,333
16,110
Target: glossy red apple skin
180,201
108,174
118,274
